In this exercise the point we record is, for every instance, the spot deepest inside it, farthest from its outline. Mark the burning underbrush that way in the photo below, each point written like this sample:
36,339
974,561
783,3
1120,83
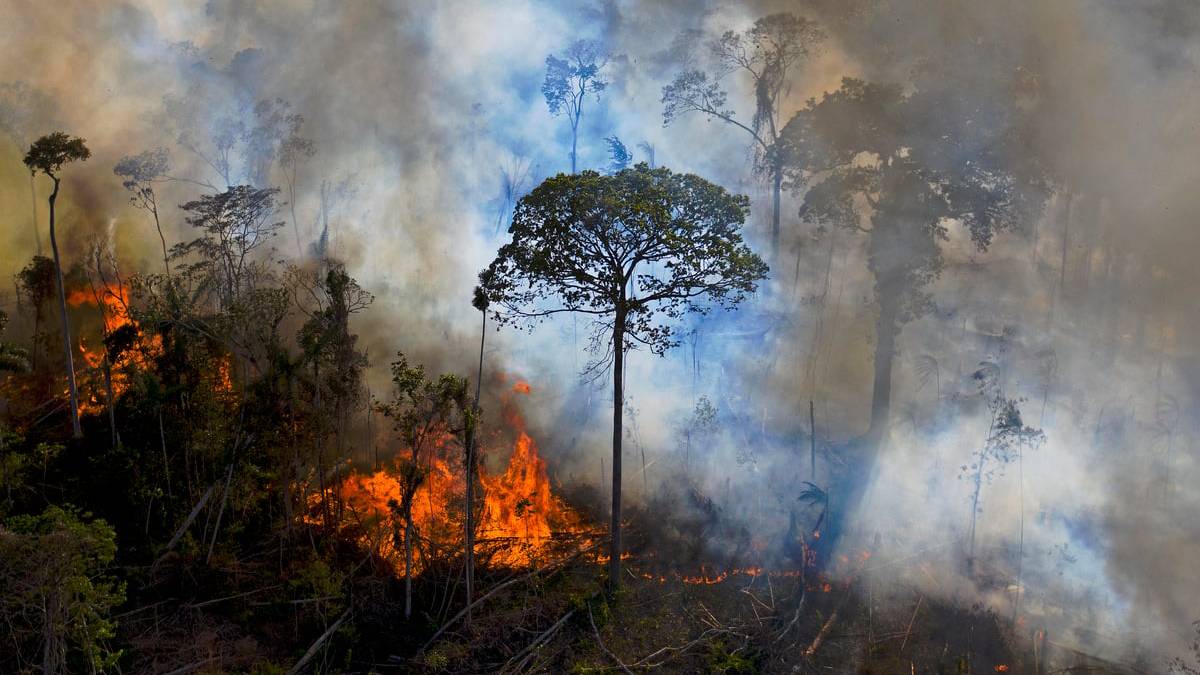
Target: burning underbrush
520,521
123,347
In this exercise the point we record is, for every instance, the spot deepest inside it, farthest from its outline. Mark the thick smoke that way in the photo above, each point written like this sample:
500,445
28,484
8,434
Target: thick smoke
421,112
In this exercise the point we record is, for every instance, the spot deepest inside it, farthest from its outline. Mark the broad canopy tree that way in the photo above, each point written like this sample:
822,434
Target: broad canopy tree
636,250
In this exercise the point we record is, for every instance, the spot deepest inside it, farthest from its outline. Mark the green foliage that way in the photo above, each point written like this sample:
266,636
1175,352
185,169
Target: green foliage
49,153
645,244
58,596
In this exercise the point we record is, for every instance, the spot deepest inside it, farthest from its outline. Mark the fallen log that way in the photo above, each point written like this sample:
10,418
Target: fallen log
497,589
821,635
316,646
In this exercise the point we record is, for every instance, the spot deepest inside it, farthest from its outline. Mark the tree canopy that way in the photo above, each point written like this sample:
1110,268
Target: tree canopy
49,153
653,243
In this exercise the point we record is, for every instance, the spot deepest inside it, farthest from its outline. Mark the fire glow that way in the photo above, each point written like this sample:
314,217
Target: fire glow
113,303
518,517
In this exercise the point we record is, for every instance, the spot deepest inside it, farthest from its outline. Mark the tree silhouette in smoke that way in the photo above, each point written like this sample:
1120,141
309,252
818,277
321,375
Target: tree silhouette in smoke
570,80
765,54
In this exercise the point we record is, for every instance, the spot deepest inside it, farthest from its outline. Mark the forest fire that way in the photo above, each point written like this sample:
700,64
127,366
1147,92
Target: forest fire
122,340
519,514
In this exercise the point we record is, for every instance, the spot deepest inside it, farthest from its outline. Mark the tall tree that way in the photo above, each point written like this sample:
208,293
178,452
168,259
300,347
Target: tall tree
901,169
635,250
570,80
47,155
480,302
765,56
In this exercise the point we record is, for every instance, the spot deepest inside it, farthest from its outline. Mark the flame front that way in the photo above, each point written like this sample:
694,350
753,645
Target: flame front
517,519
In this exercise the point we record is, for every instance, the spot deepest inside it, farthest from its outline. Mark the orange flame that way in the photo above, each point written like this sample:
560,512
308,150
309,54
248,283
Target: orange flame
113,303
519,514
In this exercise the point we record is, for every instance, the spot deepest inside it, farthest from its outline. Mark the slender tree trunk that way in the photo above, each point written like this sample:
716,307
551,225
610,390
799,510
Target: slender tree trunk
161,238
975,511
574,143
1066,245
162,437
108,389
408,534
614,563
1021,532
812,439
776,198
37,236
76,430
473,432
885,353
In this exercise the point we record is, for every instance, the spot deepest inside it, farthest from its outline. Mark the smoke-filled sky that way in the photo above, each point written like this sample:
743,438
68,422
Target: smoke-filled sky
418,110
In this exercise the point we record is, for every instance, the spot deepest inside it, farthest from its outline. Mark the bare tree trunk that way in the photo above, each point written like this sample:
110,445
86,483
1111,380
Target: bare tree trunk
292,206
575,138
885,353
408,535
37,237
473,431
76,430
1066,243
614,563
162,437
812,439
161,238
108,390
776,198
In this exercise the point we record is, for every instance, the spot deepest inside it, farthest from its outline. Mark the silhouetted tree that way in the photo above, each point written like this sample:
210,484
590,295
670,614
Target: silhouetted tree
619,155
634,250
765,55
330,349
36,282
570,80
141,172
480,302
233,224
48,154
871,160
1006,440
